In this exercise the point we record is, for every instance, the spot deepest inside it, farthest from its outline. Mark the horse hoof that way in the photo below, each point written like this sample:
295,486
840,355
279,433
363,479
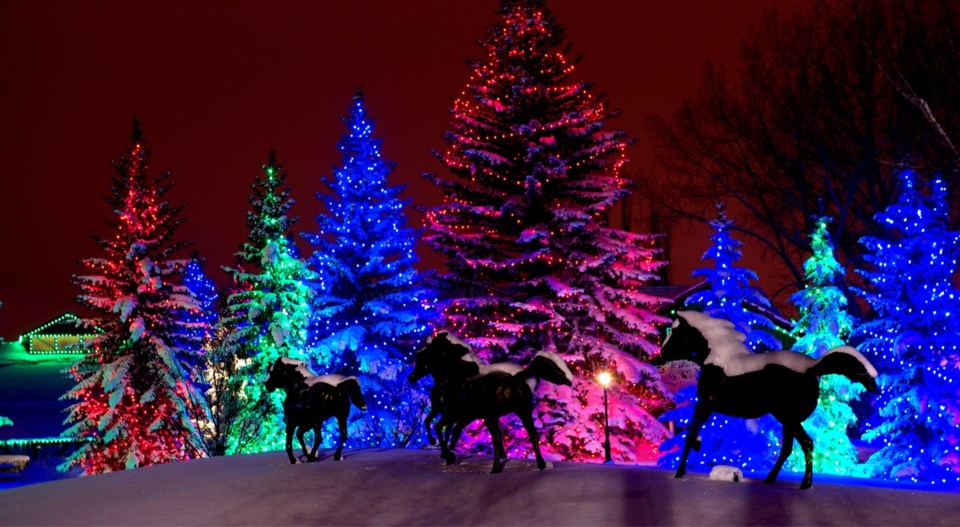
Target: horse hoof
541,464
678,475
431,441
804,485
769,481
496,470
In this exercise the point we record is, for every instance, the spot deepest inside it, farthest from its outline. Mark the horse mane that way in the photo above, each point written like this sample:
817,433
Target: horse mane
300,367
331,378
310,378
728,351
722,336
452,337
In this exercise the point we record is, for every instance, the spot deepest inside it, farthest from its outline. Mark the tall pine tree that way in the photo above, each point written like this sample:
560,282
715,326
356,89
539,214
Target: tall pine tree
136,401
532,264
372,310
913,336
750,444
268,313
825,324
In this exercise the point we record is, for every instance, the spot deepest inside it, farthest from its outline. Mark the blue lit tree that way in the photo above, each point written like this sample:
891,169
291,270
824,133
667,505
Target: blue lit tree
267,314
913,337
824,324
200,320
749,444
730,292
371,309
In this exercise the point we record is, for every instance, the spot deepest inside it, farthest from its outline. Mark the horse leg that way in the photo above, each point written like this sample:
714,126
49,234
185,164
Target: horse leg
443,431
700,416
785,449
806,444
302,431
497,436
289,443
342,424
534,439
442,437
428,421
454,437
312,456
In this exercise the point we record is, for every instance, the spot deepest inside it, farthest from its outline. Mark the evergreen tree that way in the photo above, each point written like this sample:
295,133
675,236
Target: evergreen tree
201,319
730,293
531,263
747,443
913,337
372,311
267,314
825,324
136,398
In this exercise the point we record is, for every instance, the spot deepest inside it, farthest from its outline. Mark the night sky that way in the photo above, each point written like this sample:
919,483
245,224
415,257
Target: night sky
218,84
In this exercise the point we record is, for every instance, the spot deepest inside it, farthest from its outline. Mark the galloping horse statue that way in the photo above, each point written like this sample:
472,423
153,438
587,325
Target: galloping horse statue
436,394
737,382
311,400
469,393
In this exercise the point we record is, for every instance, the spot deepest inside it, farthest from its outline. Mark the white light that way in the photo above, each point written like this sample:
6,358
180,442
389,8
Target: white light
604,378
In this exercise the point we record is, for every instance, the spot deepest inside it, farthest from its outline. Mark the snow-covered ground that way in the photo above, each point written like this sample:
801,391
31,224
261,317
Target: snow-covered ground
414,487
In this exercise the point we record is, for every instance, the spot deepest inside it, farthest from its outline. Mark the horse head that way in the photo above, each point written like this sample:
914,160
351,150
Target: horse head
437,354
683,342
285,372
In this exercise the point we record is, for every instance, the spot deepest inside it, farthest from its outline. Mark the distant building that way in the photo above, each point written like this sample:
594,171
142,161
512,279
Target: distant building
62,335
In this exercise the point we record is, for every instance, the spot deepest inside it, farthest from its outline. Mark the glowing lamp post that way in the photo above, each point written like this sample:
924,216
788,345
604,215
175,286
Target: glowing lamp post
604,378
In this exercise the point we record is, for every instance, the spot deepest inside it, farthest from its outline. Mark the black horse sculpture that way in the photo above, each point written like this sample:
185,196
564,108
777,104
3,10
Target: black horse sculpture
468,394
737,382
436,395
311,400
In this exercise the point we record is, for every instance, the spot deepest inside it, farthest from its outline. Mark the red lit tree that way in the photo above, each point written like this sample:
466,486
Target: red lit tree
532,264
136,401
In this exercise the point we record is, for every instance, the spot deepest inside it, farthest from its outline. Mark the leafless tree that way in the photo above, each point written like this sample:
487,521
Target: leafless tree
829,103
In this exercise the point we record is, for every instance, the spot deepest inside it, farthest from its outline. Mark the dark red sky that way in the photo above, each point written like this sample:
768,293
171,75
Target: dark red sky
217,84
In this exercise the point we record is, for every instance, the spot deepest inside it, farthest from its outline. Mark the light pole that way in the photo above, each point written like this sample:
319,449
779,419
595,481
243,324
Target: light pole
604,378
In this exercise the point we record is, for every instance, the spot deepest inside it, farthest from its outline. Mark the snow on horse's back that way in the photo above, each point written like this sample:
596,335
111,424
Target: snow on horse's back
728,351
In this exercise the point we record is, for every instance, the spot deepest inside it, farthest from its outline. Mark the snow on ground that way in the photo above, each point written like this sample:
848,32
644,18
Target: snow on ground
414,487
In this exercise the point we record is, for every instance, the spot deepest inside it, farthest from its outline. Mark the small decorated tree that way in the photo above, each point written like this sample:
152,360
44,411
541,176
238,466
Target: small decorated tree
267,314
371,309
136,400
913,337
825,324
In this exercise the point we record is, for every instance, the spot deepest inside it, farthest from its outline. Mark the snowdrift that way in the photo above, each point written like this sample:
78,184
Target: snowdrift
414,487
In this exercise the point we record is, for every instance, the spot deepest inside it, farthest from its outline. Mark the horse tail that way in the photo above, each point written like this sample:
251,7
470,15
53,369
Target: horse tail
351,387
847,361
548,367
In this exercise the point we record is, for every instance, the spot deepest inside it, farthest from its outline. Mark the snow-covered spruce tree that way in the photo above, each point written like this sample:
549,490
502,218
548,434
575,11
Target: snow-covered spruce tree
201,319
825,324
751,444
912,338
136,400
532,265
372,311
267,314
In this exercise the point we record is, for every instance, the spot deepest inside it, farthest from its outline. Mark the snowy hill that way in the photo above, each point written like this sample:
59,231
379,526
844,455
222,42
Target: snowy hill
413,487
